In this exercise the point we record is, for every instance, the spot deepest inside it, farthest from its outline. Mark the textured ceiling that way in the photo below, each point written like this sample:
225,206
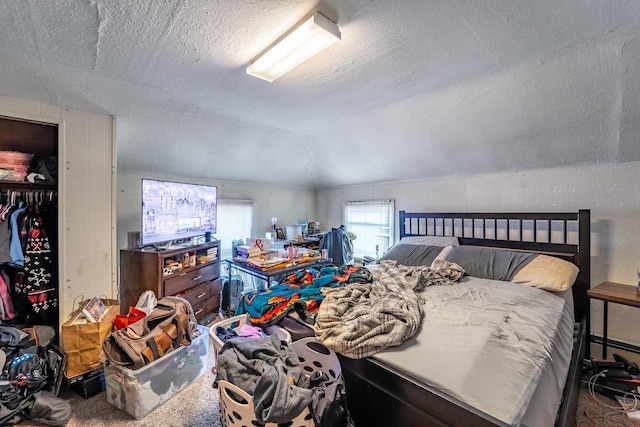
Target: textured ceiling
414,89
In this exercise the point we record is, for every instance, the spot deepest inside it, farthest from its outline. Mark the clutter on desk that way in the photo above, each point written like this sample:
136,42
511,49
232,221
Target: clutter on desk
262,244
245,252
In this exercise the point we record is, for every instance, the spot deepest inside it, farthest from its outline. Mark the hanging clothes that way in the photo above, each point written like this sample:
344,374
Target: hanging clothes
38,266
34,285
15,246
339,246
7,310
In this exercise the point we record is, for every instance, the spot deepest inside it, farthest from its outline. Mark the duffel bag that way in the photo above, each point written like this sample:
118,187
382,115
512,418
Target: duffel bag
170,325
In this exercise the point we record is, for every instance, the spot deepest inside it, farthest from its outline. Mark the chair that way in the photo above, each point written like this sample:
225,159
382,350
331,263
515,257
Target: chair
339,246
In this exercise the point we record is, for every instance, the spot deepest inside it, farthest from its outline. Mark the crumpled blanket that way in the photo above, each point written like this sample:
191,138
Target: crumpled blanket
299,291
359,320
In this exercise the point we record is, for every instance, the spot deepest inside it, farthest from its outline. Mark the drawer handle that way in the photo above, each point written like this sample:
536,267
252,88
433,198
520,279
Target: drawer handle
201,295
198,277
200,310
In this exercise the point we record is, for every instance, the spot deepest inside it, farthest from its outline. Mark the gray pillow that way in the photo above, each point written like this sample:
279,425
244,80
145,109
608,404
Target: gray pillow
489,263
411,255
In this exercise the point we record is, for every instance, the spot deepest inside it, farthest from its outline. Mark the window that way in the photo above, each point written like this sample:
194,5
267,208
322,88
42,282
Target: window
234,222
372,223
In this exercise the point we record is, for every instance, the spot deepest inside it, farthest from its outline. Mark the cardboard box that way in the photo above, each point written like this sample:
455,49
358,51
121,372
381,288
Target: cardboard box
138,392
89,383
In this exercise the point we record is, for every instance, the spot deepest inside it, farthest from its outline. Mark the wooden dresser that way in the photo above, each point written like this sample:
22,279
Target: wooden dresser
200,284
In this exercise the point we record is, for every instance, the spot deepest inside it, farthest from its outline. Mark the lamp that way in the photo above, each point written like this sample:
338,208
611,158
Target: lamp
301,43
274,232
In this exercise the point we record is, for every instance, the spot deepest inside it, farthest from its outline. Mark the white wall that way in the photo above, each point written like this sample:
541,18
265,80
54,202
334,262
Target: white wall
610,191
289,204
86,224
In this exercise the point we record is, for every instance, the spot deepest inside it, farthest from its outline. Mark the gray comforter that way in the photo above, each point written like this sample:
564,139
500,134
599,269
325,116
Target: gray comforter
359,320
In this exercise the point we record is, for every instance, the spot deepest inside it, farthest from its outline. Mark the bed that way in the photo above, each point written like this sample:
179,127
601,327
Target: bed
385,390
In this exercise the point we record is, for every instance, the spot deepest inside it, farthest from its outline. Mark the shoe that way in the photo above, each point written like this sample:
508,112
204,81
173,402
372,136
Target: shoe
225,334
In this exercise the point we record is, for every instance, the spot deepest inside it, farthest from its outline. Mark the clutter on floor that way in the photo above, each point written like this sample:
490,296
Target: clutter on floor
139,391
31,376
266,379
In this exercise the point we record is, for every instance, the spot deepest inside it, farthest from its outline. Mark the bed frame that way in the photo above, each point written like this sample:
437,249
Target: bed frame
379,395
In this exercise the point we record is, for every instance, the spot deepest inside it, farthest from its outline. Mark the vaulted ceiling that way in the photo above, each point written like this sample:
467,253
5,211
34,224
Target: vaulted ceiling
415,88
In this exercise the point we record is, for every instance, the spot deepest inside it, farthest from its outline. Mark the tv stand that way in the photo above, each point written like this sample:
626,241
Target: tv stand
143,270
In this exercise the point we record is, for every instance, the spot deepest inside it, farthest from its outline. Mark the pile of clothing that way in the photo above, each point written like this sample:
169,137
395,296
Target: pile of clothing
269,370
300,291
30,379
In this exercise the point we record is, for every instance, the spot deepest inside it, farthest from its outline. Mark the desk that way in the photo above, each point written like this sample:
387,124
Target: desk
267,275
308,242
617,293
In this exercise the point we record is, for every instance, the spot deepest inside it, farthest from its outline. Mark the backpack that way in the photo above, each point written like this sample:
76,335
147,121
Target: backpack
170,325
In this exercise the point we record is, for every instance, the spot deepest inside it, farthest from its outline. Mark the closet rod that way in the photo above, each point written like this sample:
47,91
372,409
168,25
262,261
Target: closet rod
26,186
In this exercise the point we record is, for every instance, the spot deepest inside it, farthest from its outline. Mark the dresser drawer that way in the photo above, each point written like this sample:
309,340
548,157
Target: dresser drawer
189,279
203,308
200,293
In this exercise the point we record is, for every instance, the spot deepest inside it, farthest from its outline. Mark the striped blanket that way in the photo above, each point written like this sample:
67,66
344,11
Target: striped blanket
361,319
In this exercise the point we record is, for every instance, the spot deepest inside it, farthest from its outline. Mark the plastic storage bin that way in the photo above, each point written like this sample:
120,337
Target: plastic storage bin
138,392
236,322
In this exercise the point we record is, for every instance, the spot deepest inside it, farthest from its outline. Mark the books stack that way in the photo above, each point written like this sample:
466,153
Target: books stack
245,252
212,252
273,263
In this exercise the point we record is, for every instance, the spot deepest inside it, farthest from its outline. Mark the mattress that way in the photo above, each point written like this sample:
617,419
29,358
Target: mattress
499,347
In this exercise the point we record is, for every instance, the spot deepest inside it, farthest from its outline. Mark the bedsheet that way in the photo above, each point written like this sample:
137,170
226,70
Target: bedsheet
490,344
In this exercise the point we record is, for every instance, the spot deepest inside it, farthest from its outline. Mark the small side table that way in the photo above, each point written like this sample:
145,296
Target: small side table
617,293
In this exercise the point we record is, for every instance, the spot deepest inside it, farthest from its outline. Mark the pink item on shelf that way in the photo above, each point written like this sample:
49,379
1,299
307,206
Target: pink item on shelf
250,331
14,165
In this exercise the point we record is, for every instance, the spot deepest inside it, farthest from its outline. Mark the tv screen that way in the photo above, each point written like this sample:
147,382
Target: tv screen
175,211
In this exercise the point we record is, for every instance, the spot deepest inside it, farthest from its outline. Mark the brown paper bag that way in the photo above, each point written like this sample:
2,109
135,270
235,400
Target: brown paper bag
82,342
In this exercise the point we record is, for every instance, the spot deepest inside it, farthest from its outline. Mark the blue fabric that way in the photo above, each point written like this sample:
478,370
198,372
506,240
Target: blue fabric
338,245
15,250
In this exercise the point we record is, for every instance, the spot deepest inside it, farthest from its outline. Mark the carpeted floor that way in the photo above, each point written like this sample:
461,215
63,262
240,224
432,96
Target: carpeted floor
198,405
195,406
600,411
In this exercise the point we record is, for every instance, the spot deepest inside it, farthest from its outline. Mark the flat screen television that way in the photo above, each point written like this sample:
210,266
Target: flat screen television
174,211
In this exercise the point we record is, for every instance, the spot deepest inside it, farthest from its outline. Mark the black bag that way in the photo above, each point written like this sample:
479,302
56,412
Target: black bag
31,377
170,325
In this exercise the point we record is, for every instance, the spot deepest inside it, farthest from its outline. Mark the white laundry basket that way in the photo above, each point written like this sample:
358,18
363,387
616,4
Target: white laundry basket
237,409
235,323
315,357
237,405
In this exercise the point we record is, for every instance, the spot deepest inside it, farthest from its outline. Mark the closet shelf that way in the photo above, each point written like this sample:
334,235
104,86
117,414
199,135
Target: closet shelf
20,185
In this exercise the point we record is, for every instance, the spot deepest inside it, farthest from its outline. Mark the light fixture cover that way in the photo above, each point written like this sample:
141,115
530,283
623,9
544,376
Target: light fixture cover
301,43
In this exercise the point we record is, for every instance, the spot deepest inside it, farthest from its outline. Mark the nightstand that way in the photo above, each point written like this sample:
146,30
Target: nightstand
617,293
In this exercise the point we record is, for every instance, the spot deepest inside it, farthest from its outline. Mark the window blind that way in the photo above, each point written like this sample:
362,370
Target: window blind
373,223
235,218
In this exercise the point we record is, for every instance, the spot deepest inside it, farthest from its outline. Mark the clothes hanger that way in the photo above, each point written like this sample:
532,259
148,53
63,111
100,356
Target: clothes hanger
10,203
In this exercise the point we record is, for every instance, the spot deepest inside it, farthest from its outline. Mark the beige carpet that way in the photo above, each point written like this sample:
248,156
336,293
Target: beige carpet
599,410
196,405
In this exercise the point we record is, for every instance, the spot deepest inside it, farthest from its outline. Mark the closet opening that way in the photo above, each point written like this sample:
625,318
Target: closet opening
29,258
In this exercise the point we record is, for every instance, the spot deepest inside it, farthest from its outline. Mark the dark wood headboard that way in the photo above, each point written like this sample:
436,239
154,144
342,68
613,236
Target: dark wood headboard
565,235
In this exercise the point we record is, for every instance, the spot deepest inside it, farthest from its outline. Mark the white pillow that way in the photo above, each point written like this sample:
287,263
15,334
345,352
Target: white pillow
431,240
443,253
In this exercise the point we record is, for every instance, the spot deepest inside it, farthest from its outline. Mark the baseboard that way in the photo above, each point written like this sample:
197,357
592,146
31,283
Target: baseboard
612,343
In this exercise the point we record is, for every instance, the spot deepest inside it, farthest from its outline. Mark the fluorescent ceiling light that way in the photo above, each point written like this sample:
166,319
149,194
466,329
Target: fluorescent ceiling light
301,43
